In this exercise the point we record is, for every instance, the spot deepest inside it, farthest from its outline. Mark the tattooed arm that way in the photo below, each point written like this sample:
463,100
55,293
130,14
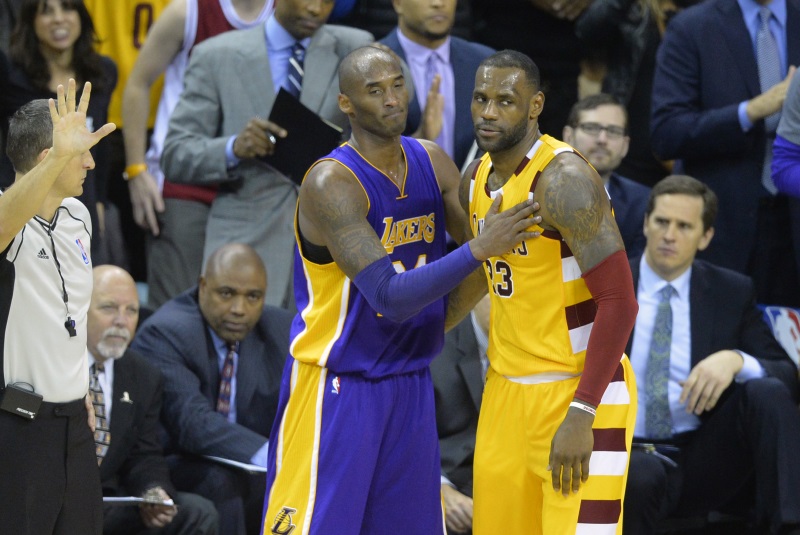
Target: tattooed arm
332,213
575,204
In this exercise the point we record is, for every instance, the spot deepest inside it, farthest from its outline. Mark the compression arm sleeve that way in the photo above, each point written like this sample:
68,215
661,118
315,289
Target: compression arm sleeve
786,166
398,296
611,285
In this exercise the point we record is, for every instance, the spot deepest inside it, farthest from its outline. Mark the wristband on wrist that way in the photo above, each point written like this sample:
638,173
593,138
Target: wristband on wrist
582,406
132,171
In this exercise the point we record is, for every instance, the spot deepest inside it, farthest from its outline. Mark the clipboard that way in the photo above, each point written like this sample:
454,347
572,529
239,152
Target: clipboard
134,500
309,138
247,467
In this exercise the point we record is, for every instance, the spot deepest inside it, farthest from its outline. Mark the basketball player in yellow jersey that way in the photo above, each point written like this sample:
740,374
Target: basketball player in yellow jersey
559,405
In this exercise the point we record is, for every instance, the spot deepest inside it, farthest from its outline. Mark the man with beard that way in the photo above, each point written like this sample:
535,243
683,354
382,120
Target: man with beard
559,390
354,444
127,444
597,127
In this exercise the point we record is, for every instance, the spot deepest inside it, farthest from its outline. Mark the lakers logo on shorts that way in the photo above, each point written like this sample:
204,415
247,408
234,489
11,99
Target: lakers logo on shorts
283,521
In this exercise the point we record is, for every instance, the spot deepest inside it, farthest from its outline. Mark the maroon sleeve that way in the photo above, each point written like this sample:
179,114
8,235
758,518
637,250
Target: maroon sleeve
611,285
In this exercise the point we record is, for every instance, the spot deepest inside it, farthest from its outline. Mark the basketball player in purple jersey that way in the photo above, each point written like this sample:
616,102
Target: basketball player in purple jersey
354,448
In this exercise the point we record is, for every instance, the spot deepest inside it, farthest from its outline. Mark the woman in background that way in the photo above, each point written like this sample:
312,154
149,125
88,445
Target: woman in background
53,41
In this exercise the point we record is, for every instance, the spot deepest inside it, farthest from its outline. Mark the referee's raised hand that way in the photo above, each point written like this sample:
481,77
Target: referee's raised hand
71,137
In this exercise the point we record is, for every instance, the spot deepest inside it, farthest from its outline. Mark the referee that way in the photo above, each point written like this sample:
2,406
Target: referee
49,481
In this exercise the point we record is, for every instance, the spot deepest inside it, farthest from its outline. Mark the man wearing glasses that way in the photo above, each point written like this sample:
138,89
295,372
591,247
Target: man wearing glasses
597,127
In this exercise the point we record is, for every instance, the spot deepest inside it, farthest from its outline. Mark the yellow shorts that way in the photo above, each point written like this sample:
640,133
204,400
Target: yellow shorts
513,490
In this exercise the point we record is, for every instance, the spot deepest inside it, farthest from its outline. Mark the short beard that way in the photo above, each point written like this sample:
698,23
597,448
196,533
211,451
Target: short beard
112,351
509,140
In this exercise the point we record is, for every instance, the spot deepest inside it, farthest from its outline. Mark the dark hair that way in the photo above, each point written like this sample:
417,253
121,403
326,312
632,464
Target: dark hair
24,47
592,102
511,59
30,131
686,185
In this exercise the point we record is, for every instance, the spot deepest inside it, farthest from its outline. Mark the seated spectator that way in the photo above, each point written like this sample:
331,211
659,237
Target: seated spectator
458,374
52,42
222,354
126,391
598,127
716,391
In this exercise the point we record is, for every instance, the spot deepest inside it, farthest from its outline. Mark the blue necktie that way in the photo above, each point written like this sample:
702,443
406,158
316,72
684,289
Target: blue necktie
658,419
102,434
769,75
295,73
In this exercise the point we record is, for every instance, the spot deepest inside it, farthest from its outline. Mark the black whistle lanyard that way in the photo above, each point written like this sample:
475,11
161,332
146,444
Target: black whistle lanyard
69,323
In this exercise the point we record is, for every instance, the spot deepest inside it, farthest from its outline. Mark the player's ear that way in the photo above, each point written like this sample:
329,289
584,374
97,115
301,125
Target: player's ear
344,104
537,104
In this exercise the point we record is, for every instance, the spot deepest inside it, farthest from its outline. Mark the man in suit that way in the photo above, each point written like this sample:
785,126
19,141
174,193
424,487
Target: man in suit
132,464
598,127
458,374
717,413
714,108
218,132
174,214
222,354
442,71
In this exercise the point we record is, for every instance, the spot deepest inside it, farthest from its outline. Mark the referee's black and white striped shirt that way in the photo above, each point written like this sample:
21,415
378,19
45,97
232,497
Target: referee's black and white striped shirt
46,262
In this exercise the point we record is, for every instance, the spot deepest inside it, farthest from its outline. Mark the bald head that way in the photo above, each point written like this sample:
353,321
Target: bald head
113,312
231,291
231,257
359,66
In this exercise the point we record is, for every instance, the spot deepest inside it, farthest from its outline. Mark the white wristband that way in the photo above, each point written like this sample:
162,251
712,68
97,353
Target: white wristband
582,406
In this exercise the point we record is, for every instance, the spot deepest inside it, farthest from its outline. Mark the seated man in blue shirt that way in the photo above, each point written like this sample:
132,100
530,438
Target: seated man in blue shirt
716,392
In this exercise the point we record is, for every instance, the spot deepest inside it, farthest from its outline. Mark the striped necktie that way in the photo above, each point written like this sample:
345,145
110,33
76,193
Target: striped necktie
658,419
294,77
769,75
102,434
226,376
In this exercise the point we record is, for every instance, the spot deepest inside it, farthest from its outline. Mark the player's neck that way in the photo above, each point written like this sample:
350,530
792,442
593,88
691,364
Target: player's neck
384,153
506,162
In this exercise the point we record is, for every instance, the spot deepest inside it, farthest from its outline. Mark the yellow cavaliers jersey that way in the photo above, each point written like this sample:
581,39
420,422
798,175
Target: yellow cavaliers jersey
122,27
541,310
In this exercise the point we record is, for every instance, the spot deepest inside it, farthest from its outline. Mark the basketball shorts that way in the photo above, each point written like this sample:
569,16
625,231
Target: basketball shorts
353,456
513,490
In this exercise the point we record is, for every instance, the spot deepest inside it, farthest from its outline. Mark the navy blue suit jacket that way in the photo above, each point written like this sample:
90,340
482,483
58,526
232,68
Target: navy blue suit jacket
724,315
134,461
465,56
705,67
175,338
629,200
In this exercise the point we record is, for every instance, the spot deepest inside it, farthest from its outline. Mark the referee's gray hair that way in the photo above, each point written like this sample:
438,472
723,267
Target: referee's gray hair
30,131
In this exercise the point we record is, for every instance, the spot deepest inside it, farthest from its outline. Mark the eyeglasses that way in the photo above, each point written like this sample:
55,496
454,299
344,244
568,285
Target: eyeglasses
594,129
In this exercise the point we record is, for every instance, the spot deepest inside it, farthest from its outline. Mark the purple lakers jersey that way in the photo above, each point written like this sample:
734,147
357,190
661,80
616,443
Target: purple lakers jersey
335,327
